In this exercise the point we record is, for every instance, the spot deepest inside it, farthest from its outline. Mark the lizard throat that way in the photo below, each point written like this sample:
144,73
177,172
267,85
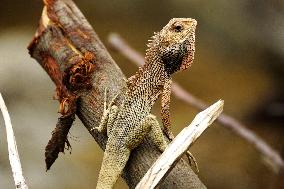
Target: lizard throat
173,57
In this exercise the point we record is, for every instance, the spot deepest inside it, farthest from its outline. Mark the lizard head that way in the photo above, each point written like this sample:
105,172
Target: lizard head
175,44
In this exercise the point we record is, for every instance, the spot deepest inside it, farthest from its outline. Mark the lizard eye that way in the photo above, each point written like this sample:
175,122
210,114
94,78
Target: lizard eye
177,27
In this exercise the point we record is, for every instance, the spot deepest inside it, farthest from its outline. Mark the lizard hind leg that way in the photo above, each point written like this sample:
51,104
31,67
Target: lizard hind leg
156,133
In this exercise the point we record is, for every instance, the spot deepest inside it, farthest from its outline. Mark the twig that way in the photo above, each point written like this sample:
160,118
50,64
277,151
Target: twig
179,146
12,148
229,122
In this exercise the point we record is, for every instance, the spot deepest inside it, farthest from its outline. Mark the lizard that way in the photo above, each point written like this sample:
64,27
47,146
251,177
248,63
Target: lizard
127,124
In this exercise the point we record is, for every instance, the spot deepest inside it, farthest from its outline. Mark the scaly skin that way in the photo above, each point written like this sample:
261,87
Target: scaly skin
170,50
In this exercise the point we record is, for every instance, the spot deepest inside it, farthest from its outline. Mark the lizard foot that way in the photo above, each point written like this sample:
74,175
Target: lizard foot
192,161
98,129
169,134
109,114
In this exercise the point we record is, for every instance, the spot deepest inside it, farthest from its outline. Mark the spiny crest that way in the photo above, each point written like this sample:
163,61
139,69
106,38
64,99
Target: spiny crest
131,81
153,40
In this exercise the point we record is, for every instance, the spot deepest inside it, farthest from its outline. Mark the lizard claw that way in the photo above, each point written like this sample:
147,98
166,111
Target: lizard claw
169,134
192,161
96,128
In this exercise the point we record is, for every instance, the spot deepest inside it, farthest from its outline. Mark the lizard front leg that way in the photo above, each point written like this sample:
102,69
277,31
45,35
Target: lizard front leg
165,114
108,117
165,109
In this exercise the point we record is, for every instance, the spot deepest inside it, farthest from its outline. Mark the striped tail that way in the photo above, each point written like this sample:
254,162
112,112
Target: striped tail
114,161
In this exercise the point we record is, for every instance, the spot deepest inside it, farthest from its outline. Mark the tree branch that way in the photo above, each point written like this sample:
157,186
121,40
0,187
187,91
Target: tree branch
275,160
14,158
179,146
67,47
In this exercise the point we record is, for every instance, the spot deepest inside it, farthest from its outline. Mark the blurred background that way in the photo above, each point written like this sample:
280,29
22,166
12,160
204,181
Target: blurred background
239,58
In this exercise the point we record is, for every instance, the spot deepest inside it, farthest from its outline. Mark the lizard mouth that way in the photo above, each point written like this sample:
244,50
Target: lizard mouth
189,38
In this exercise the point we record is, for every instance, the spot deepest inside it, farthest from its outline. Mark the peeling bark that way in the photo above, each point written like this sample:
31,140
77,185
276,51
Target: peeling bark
67,47
58,140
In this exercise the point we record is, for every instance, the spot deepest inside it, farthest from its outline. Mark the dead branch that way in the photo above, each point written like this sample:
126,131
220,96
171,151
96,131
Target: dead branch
179,146
69,50
14,158
276,162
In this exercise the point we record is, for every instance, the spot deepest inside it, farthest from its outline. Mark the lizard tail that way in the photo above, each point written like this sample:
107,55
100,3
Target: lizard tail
114,161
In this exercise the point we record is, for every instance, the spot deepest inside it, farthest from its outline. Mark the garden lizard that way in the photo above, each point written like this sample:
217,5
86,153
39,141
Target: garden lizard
170,50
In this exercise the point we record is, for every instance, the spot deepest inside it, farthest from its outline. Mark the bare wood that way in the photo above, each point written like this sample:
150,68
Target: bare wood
179,146
63,38
275,160
14,158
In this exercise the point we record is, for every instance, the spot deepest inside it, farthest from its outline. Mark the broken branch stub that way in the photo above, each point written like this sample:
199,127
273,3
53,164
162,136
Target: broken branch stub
69,68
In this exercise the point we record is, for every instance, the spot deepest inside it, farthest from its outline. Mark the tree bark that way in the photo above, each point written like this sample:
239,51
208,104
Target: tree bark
65,43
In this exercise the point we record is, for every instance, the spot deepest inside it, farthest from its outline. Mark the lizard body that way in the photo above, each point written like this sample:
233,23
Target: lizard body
170,50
